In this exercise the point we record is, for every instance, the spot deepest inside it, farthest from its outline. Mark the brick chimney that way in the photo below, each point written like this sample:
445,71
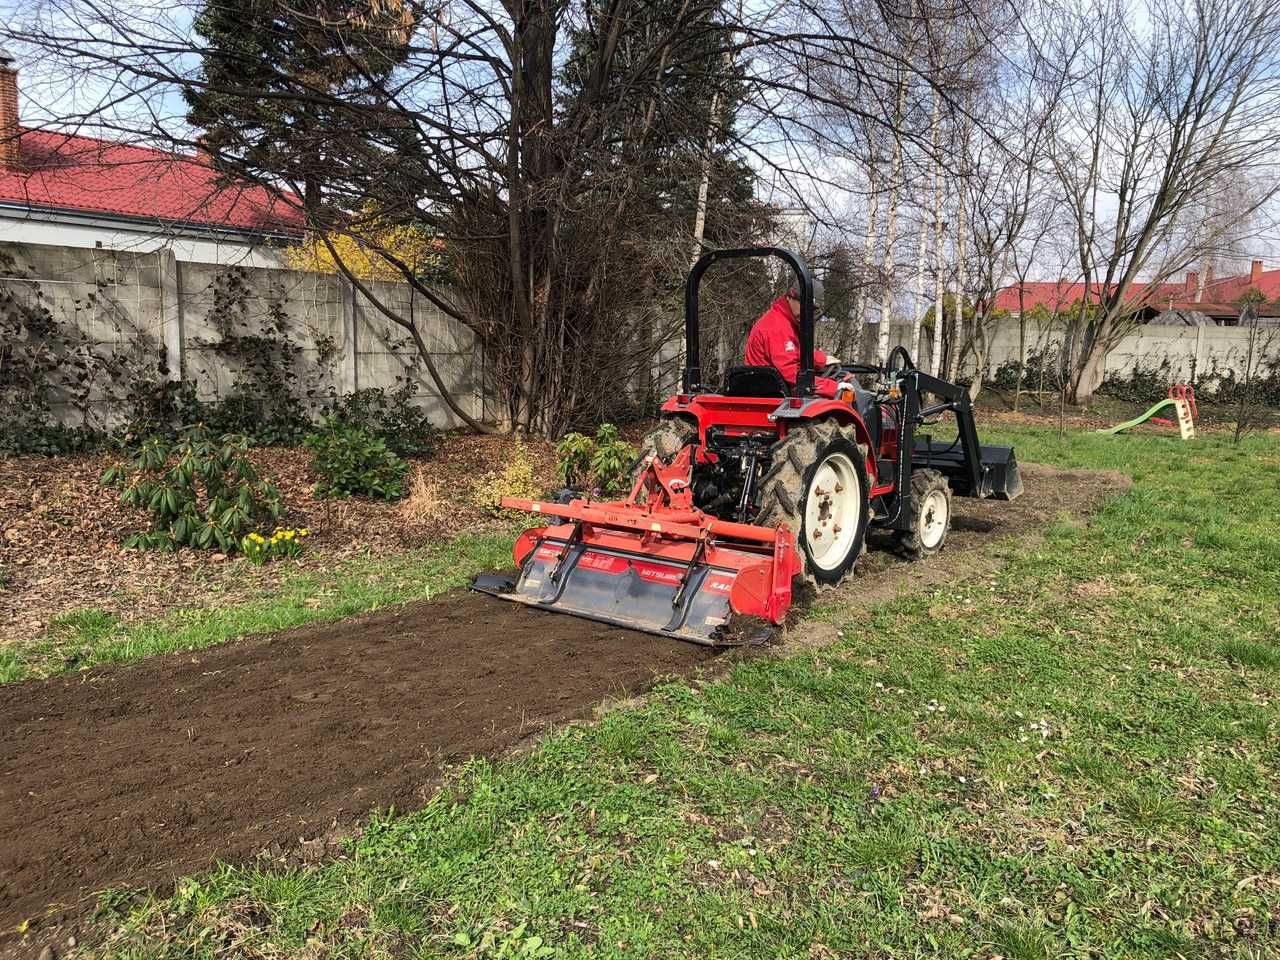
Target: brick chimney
1255,272
8,111
1192,285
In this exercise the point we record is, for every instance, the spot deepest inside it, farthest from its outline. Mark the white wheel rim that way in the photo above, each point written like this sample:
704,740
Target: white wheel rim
933,519
831,512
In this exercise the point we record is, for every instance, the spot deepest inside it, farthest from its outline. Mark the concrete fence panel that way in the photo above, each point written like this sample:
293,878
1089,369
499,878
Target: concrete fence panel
121,298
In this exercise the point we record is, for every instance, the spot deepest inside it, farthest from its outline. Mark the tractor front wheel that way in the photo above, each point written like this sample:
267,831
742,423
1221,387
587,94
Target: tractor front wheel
930,516
817,486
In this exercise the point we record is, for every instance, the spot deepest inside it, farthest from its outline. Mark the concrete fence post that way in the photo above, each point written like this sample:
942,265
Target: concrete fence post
1197,362
171,319
347,294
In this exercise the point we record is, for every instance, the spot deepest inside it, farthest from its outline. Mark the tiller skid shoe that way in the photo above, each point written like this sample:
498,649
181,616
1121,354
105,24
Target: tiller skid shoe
652,562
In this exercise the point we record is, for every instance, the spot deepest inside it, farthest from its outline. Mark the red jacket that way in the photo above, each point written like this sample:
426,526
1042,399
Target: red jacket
774,341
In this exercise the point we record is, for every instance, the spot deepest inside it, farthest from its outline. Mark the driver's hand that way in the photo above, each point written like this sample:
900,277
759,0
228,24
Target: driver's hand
833,360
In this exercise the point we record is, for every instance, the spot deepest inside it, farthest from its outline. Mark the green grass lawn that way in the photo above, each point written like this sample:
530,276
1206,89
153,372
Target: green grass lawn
89,637
1082,760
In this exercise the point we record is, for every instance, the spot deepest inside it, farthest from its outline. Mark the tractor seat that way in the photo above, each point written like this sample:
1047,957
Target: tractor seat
754,382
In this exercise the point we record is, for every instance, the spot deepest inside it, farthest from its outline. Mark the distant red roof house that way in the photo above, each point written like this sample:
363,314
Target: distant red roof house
64,173
45,172
1218,300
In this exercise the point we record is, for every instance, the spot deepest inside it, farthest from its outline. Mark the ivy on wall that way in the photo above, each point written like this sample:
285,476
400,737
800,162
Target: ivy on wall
49,364
122,393
275,390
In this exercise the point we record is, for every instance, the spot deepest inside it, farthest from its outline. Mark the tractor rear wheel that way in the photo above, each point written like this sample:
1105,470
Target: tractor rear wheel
817,486
664,441
930,516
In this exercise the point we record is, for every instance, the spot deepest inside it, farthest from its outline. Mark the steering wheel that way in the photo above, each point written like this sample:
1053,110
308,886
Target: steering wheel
835,370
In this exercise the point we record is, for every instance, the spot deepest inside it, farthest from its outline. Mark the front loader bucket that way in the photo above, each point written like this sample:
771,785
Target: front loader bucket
1001,469
999,476
624,565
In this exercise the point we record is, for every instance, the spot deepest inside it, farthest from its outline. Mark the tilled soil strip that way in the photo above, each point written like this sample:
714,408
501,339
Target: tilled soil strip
135,775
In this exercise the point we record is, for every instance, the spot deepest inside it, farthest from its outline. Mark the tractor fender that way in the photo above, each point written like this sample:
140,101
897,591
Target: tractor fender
821,408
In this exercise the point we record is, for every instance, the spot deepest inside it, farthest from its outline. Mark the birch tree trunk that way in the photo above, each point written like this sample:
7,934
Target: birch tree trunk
868,248
957,311
921,251
917,314
890,228
935,357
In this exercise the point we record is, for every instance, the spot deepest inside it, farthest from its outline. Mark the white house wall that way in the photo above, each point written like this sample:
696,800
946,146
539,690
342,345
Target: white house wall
89,233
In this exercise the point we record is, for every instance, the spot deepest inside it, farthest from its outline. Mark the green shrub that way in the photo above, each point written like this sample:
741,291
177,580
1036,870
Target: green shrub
391,416
201,491
1040,368
50,440
1263,387
601,465
515,479
283,422
573,459
1145,383
350,461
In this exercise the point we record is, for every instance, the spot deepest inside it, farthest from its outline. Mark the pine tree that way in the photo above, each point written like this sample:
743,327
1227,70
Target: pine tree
678,123
288,90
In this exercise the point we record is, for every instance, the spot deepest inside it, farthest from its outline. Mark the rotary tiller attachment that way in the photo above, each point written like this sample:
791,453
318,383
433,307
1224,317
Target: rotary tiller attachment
660,565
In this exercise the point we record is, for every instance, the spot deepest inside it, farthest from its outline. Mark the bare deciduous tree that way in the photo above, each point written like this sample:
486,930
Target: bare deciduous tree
1157,114
557,149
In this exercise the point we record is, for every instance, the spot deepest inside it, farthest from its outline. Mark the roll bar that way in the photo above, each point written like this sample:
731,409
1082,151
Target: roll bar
804,283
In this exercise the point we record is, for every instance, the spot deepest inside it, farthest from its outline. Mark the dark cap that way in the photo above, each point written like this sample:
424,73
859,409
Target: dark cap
818,298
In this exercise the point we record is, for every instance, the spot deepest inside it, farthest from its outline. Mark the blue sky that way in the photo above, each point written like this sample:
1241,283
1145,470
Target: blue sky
52,92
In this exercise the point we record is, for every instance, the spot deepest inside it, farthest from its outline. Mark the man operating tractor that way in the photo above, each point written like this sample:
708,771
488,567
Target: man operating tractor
746,485
774,341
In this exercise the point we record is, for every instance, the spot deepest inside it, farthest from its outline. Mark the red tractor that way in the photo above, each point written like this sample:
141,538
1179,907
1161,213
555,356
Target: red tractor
742,489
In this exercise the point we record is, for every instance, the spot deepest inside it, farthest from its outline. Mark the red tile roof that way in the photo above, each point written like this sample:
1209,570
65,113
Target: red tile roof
1219,297
1231,289
1058,295
59,171
1217,308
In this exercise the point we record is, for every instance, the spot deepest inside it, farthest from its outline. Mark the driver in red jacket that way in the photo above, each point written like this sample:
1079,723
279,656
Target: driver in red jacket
774,341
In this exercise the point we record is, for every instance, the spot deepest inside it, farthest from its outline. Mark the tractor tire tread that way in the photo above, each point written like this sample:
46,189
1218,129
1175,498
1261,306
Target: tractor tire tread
907,542
781,491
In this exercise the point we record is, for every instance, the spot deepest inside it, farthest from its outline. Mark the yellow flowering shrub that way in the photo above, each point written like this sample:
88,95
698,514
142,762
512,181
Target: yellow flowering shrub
515,479
362,246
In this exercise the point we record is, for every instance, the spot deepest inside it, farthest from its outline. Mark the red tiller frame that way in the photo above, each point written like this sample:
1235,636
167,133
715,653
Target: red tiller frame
668,528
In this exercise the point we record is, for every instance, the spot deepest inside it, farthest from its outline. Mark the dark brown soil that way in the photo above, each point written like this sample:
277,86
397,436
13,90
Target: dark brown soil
132,776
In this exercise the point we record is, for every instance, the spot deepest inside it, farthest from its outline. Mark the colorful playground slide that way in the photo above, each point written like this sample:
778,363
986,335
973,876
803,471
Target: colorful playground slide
1182,397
